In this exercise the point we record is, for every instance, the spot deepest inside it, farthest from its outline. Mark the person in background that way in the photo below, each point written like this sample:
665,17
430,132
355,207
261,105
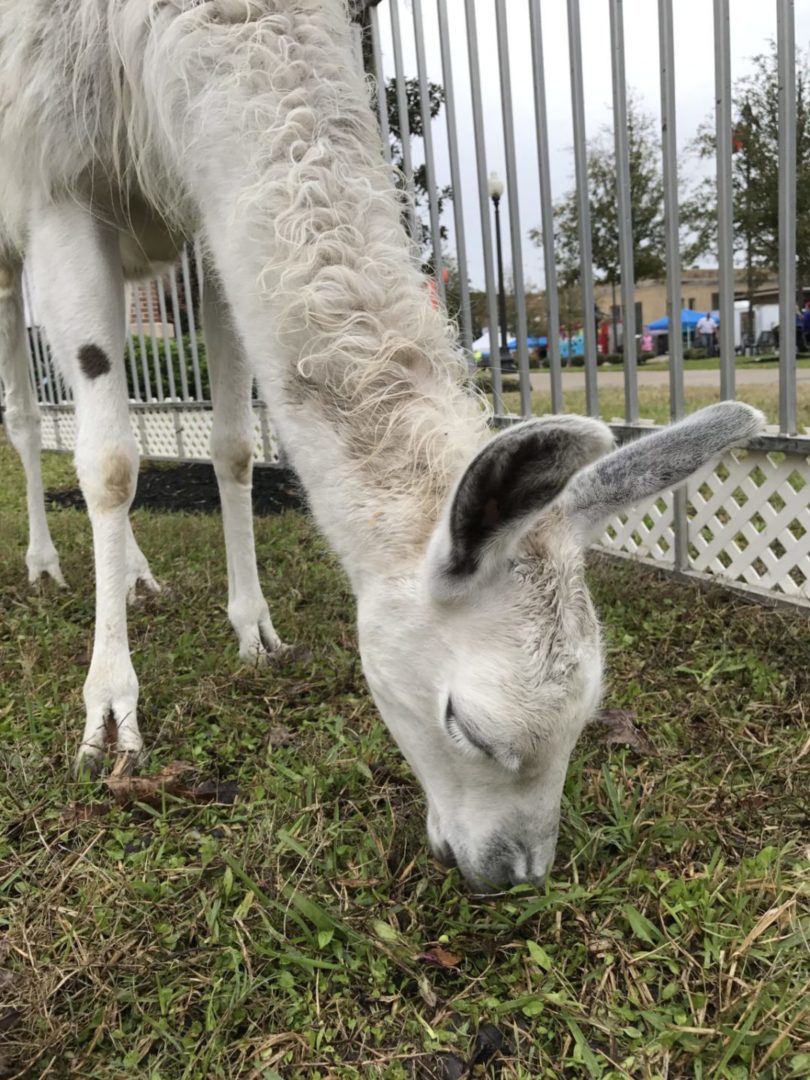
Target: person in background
806,325
707,331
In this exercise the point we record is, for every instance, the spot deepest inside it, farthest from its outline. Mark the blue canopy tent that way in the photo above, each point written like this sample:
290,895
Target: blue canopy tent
689,321
532,342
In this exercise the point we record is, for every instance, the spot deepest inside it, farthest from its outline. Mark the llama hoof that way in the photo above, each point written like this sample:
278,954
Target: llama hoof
44,564
111,701
259,644
140,584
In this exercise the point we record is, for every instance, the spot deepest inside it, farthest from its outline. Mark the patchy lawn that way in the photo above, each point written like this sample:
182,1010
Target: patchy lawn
294,931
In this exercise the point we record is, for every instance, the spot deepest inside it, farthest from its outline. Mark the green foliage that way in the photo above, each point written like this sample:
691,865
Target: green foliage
647,202
755,172
157,348
416,131
281,936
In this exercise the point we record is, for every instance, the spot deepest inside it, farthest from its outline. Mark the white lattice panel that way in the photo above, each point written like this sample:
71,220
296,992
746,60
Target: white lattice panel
164,431
749,520
646,531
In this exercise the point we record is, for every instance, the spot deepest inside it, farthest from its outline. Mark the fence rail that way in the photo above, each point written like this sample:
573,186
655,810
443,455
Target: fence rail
747,520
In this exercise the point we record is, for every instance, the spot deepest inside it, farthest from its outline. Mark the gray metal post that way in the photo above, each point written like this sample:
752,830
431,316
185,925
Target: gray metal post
455,178
673,256
546,209
402,110
483,204
514,209
427,136
583,206
379,76
786,53
725,234
624,210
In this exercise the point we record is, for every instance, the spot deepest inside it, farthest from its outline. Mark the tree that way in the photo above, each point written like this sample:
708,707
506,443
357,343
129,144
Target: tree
646,200
755,173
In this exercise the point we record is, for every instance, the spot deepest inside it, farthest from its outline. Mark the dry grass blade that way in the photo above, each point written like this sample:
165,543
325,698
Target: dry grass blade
172,780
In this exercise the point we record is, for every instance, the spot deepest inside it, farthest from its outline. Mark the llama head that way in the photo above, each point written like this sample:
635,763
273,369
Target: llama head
486,663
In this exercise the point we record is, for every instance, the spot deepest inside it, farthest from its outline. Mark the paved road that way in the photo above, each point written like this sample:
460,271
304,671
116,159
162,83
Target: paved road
575,380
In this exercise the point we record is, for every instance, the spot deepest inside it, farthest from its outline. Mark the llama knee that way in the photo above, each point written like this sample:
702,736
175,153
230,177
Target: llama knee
108,480
232,457
24,429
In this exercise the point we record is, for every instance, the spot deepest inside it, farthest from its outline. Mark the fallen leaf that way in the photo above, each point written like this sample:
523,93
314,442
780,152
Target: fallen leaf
171,780
440,957
278,735
621,729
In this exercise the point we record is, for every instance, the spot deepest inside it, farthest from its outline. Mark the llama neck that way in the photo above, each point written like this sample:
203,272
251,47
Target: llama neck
358,367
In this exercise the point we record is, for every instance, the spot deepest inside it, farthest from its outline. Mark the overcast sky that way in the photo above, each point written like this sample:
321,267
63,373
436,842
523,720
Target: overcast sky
753,25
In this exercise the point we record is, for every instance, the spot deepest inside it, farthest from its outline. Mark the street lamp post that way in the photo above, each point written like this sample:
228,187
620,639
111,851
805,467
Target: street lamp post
495,193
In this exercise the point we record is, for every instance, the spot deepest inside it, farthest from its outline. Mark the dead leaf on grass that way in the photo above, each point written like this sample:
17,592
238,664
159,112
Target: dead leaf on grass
76,813
621,729
440,957
173,780
278,735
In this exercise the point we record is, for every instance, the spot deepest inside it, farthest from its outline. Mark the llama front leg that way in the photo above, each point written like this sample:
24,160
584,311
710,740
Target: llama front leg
77,275
232,453
22,422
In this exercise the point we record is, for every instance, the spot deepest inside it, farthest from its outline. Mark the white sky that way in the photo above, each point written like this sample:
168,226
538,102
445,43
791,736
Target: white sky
753,24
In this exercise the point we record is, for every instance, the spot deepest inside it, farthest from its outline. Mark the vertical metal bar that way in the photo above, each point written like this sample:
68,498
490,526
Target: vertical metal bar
583,205
483,204
379,76
427,135
167,347
514,209
669,147
786,59
147,381
178,333
192,325
402,111
725,234
624,210
547,210
42,387
455,178
133,371
154,338
149,288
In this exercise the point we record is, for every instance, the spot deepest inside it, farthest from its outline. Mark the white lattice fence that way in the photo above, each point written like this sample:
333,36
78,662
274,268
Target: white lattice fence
748,522
164,432
748,516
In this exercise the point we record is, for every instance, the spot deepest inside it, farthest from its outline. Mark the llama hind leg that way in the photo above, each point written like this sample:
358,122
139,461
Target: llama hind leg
139,577
232,454
22,423
77,271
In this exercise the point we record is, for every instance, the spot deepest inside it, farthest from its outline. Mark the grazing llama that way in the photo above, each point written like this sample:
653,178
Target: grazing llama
128,124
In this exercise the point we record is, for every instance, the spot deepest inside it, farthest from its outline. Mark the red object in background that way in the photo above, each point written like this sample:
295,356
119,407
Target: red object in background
604,337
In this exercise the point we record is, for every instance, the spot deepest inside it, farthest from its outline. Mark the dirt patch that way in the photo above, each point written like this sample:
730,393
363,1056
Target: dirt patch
192,486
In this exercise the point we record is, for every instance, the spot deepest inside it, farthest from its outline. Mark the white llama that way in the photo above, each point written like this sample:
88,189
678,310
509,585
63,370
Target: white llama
247,121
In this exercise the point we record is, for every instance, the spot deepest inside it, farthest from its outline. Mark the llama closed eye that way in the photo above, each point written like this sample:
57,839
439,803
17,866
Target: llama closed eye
461,734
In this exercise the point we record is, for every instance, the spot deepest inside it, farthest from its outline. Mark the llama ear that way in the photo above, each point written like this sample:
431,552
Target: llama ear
655,463
502,491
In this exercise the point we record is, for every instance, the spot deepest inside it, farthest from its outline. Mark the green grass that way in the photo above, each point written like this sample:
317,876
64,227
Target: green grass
654,401
280,936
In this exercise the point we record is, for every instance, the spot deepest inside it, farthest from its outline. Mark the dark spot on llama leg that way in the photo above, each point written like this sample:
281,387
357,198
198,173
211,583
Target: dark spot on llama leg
93,361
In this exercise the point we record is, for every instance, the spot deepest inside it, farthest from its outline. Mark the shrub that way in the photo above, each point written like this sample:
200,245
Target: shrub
694,354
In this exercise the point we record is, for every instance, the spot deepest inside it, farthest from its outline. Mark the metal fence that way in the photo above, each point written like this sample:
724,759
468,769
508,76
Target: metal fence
745,520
